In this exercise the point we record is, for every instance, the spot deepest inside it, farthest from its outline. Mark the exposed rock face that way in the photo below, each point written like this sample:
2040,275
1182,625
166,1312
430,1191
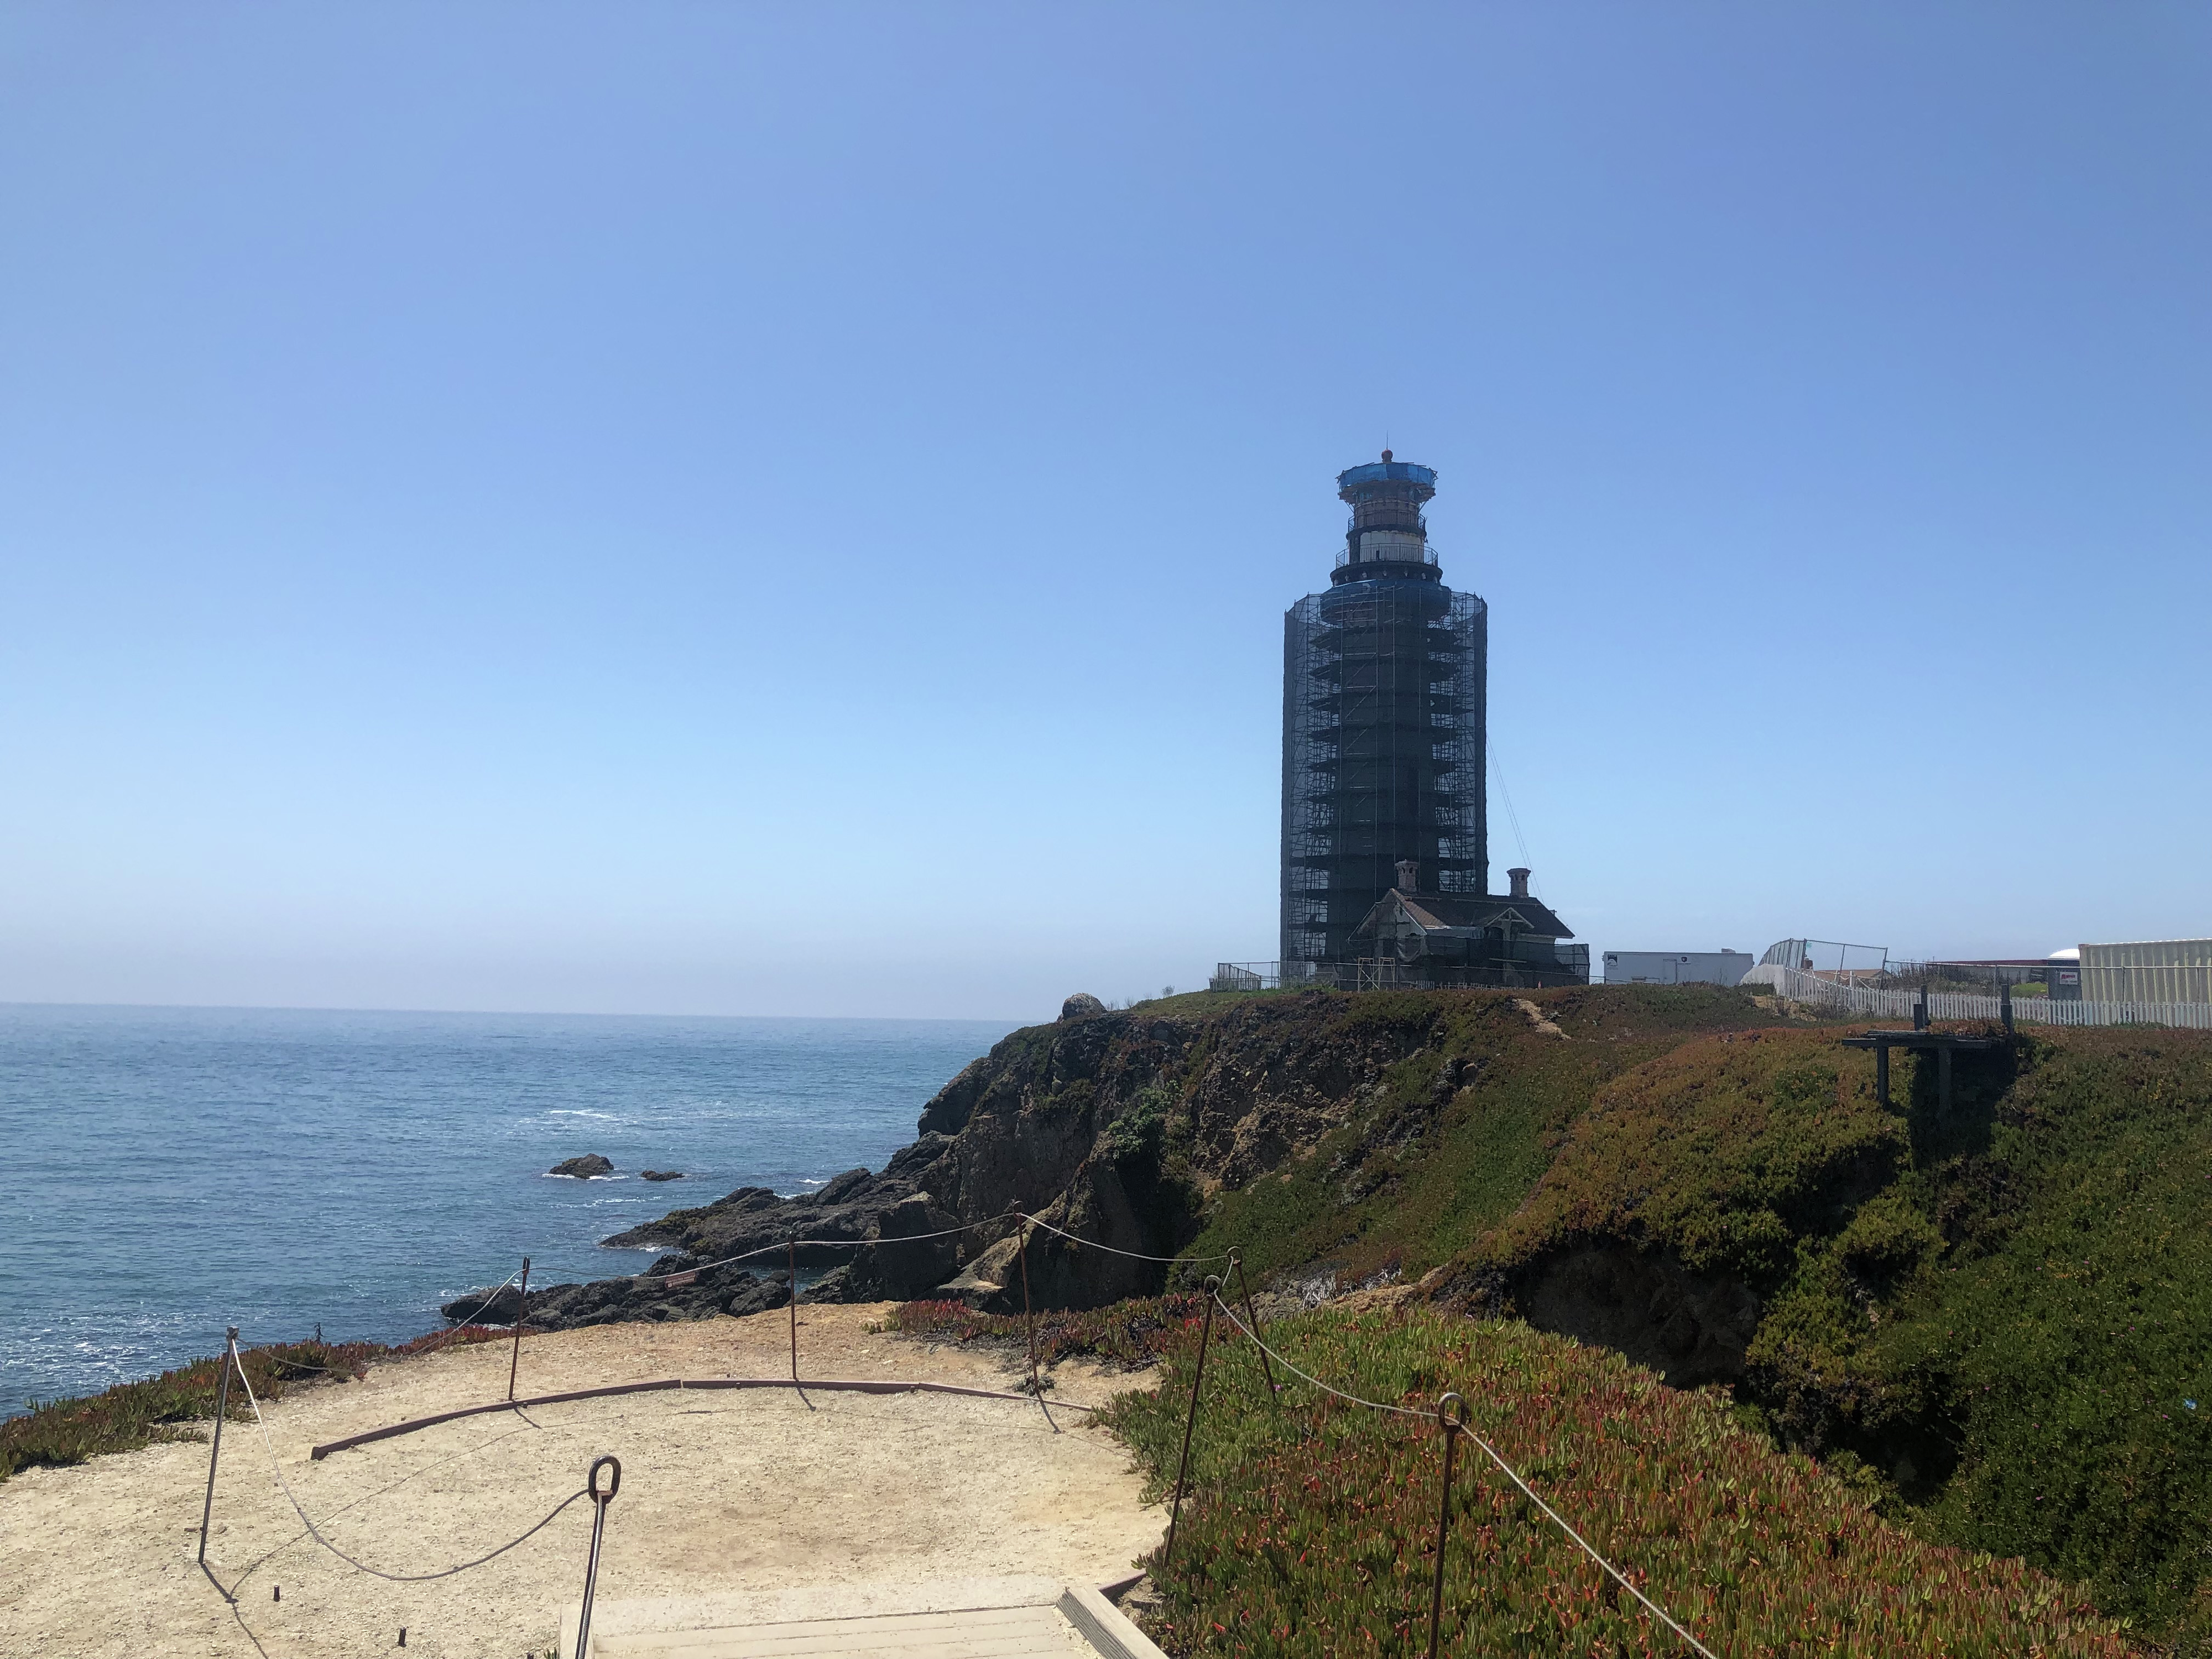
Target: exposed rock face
485,1307
1114,1126
583,1168
1082,1006
612,1301
660,1175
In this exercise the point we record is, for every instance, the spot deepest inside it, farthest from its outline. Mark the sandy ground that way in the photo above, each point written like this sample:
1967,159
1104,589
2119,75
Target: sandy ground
752,1489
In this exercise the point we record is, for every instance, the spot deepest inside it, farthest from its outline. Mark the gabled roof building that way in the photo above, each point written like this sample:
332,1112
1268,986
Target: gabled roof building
1432,939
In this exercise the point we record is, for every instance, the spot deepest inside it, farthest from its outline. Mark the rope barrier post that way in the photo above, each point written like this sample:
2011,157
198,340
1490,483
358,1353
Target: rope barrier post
1252,1324
599,1501
521,1309
1190,1422
792,1244
1029,1318
214,1451
1451,1418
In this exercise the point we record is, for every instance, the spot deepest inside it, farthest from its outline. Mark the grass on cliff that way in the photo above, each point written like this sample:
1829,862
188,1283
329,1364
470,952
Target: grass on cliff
60,1432
1311,1528
1458,1133
2007,1312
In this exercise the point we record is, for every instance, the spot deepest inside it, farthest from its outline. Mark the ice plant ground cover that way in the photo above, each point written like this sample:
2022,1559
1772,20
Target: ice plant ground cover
1310,1525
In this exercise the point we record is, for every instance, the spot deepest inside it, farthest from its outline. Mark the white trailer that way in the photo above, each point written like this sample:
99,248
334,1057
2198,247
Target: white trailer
1677,967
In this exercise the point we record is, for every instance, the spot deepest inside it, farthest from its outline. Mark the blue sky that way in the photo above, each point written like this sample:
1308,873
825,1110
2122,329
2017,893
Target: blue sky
746,509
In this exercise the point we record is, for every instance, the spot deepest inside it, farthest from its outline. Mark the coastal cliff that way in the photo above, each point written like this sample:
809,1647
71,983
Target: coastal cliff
1331,1138
1116,1127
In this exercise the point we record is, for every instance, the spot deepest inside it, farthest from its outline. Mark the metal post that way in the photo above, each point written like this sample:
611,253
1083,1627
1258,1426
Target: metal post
1943,1082
1197,1381
793,1258
599,1500
2004,1004
222,1406
1251,1314
1029,1318
521,1309
1881,1072
1453,1423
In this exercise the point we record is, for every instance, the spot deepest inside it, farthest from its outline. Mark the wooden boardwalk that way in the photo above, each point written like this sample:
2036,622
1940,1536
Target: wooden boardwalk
1031,1622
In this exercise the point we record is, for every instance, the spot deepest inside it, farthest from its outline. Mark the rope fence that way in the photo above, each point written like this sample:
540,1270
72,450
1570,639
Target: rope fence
686,1275
276,1466
1450,1416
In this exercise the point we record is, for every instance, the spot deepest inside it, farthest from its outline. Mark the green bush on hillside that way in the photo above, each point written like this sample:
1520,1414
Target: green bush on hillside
2002,1310
1461,1130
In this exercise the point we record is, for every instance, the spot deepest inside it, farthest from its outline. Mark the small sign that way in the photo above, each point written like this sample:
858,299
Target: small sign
674,1279
2070,975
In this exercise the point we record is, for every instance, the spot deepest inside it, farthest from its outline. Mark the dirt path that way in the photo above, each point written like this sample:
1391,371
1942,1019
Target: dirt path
738,1490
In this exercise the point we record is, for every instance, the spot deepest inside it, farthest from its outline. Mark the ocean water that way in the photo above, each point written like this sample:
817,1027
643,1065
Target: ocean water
173,1171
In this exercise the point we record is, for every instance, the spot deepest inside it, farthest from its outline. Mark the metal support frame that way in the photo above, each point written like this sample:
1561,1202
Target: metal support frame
214,1451
793,1247
1190,1422
521,1310
1944,1044
599,1502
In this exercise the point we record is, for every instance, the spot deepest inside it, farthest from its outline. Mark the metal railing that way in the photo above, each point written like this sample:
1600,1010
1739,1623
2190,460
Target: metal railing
1344,557
1819,991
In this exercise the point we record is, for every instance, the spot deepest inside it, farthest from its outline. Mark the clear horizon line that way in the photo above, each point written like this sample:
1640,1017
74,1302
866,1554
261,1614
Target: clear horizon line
541,1013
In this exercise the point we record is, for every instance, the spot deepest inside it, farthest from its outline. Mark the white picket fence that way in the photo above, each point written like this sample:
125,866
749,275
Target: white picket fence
2025,1010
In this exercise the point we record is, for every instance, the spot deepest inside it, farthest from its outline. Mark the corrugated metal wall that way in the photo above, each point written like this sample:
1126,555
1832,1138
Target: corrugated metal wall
2148,970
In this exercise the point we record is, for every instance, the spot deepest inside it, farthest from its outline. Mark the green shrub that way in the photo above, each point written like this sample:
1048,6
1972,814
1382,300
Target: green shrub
2002,1310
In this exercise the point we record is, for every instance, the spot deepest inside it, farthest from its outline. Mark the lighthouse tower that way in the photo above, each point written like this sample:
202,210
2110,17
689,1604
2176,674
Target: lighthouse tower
1383,679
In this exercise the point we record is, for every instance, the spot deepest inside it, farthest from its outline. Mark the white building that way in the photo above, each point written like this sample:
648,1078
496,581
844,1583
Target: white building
1676,967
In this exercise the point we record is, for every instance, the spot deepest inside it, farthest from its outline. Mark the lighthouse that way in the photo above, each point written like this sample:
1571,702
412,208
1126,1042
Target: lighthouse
1383,712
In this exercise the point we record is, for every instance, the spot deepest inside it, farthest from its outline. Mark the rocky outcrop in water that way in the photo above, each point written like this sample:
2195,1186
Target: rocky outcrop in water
585,1168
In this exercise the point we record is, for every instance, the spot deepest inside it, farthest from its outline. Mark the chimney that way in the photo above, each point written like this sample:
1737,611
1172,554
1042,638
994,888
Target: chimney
1409,875
1519,877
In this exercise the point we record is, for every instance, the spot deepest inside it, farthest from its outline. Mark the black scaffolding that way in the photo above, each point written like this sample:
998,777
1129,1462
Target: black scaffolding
1383,720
